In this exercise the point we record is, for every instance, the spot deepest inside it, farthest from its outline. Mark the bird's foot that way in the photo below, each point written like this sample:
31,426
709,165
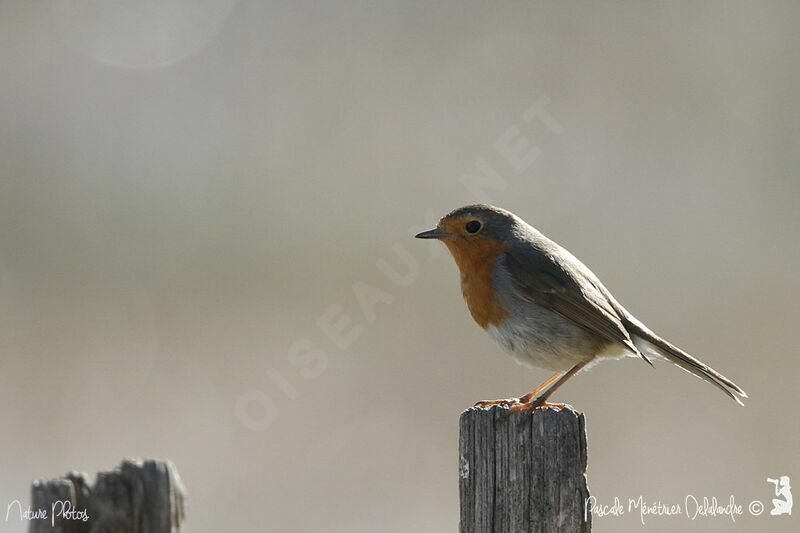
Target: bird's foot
516,408
506,402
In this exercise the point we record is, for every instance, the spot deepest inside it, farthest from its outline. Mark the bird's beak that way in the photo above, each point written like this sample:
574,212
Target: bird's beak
434,233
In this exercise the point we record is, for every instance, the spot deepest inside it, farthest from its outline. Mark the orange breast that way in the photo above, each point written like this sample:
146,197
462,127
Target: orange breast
475,260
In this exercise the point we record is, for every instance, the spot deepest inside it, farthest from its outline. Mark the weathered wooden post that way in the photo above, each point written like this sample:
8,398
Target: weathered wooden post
523,472
138,497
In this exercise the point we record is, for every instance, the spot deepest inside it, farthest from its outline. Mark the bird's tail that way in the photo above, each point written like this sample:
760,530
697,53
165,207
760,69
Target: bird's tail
648,342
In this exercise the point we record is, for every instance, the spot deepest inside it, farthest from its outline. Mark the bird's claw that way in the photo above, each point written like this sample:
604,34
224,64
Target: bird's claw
505,402
516,408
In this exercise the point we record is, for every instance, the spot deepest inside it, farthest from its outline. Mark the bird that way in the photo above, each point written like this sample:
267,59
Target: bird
545,307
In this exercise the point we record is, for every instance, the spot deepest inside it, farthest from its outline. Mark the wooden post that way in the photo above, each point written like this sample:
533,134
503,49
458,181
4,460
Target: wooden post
523,472
138,497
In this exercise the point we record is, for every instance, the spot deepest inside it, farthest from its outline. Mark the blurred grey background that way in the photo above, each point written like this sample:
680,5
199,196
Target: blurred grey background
188,188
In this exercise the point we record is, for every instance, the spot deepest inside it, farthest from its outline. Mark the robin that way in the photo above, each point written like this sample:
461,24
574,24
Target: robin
545,307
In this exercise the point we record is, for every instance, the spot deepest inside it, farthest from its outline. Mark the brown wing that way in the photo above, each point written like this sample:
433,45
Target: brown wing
564,288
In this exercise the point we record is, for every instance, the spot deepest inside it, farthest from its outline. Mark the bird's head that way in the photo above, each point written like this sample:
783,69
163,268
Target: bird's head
474,232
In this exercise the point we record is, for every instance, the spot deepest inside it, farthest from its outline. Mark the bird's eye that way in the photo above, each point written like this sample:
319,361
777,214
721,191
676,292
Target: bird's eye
473,226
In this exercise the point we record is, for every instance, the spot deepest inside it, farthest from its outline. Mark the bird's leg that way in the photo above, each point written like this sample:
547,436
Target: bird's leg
546,383
524,399
539,400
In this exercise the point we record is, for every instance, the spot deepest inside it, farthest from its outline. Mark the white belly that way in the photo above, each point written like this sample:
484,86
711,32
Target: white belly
558,350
